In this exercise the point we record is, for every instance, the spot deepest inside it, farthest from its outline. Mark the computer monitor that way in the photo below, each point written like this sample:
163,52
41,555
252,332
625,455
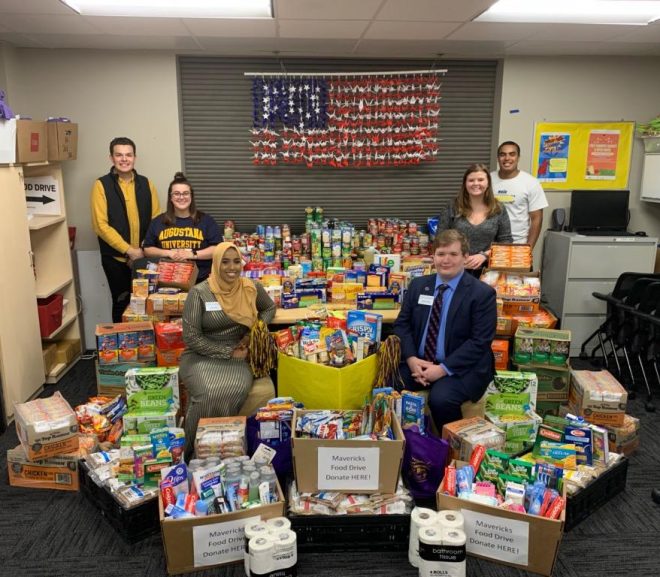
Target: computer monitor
599,210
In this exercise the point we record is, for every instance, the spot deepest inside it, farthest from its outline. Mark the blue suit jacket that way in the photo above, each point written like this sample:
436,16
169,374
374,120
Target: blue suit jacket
471,323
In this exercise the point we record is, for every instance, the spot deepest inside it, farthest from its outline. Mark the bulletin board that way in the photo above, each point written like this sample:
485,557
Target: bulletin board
582,155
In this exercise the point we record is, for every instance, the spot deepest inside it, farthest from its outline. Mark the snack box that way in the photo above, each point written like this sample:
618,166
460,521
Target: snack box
46,427
169,336
598,397
143,424
542,346
500,348
350,466
302,298
180,275
59,472
377,301
345,292
125,342
628,431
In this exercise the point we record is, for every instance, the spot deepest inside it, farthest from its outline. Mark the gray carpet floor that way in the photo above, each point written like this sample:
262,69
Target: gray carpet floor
60,534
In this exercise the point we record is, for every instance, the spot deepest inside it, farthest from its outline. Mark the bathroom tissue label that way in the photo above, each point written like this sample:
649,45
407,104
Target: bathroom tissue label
220,542
497,537
348,469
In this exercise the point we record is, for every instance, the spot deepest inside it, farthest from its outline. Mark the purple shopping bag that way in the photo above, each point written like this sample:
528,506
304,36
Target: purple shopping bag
424,461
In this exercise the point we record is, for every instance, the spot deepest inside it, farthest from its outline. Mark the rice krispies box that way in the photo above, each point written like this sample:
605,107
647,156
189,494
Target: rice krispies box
364,324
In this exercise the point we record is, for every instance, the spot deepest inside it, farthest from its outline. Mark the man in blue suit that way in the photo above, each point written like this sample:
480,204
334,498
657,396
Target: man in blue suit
446,325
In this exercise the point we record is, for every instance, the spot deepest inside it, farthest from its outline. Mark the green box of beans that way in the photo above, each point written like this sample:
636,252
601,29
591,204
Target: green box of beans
152,390
513,389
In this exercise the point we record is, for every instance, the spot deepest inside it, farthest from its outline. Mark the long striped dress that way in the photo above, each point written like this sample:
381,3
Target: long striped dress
217,384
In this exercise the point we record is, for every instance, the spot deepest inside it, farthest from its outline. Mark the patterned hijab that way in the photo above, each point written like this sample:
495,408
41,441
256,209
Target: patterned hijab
238,299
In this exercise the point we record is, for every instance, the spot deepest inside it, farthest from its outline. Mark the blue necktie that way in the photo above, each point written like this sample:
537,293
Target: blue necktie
430,346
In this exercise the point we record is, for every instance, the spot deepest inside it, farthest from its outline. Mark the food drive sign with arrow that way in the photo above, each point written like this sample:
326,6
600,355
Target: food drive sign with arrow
42,194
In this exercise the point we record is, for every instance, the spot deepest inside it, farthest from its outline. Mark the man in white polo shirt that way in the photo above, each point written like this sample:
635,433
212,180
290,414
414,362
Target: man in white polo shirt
520,192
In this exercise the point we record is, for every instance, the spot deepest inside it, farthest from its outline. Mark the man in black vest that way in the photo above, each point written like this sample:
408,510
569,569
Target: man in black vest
123,205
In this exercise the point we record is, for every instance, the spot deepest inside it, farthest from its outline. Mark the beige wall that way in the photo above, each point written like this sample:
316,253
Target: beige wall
109,93
113,93
582,89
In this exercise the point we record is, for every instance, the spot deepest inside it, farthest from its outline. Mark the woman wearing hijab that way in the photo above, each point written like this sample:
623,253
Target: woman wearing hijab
217,319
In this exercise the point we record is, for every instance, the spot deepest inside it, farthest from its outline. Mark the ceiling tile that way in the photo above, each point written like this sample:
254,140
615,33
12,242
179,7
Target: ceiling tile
410,30
327,9
233,28
433,10
42,24
428,49
35,7
280,47
322,28
140,26
548,48
580,32
490,31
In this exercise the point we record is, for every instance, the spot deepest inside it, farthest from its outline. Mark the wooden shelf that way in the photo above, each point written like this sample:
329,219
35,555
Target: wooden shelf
39,221
292,316
45,292
60,370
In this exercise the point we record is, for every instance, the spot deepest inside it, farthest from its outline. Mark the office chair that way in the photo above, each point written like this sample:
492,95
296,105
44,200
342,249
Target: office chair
609,327
643,332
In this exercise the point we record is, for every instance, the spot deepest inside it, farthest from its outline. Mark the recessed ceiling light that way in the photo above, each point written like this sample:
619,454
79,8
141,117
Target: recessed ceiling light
174,8
626,12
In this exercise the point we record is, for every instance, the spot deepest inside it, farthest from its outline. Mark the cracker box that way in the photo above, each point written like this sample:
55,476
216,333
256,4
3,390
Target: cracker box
302,298
377,300
598,397
46,427
628,431
59,472
463,435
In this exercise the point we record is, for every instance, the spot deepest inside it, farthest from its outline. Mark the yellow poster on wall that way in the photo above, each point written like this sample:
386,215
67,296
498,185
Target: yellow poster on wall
582,155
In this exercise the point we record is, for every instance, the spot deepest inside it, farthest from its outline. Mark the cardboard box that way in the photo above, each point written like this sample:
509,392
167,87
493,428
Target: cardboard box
511,388
181,275
324,387
628,431
519,540
152,390
49,354
62,140
143,424
463,435
349,466
59,472
500,348
544,408
598,397
519,431
554,382
67,350
200,543
46,427
541,346
110,379
506,326
627,448
31,141
169,358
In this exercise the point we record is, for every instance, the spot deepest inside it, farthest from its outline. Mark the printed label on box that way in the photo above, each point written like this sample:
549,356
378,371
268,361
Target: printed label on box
343,469
220,543
496,537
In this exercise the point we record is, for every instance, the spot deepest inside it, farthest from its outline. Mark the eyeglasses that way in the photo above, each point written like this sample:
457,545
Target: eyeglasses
181,195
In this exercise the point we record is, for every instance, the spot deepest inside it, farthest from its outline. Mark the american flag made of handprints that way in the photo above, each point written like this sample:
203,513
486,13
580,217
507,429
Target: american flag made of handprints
357,120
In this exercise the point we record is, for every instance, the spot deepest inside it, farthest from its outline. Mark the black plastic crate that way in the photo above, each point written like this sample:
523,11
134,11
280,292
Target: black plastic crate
318,533
132,524
596,494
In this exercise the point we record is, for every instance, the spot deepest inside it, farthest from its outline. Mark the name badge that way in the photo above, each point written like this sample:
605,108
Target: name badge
425,300
213,307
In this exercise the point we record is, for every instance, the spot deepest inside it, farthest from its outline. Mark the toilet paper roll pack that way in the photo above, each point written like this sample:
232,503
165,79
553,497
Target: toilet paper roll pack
442,552
420,517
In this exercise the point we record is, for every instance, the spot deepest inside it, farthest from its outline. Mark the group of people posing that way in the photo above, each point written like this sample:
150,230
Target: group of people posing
446,323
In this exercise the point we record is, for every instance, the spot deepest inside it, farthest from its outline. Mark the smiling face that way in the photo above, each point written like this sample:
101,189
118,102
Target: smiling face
123,159
181,197
230,265
507,159
476,183
449,260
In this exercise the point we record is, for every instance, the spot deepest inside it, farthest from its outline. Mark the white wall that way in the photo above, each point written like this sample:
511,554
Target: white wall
109,93
582,89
